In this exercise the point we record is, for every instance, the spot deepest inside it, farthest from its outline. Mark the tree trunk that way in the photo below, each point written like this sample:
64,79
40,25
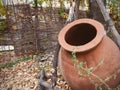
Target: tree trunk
95,12
107,18
76,13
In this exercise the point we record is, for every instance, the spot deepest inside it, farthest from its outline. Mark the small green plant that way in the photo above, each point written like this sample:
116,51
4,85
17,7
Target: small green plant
2,25
84,71
114,7
2,9
2,14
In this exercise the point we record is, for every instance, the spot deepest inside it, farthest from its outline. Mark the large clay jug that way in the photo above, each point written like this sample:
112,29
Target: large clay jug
97,54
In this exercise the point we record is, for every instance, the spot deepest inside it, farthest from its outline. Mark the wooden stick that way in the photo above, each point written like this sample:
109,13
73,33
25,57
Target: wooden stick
55,64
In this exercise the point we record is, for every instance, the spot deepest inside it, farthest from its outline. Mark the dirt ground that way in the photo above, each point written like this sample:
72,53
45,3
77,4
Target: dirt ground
25,74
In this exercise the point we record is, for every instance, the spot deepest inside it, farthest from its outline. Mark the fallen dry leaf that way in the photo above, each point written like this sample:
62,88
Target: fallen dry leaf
24,75
14,27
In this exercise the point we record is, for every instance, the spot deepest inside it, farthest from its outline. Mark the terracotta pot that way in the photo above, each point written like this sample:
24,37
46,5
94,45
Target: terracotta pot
88,38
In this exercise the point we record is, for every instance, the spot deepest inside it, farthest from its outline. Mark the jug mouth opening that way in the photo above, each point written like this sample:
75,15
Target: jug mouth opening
82,34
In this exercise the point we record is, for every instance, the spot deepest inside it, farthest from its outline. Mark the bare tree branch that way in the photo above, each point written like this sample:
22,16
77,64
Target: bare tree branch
76,14
71,12
107,18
